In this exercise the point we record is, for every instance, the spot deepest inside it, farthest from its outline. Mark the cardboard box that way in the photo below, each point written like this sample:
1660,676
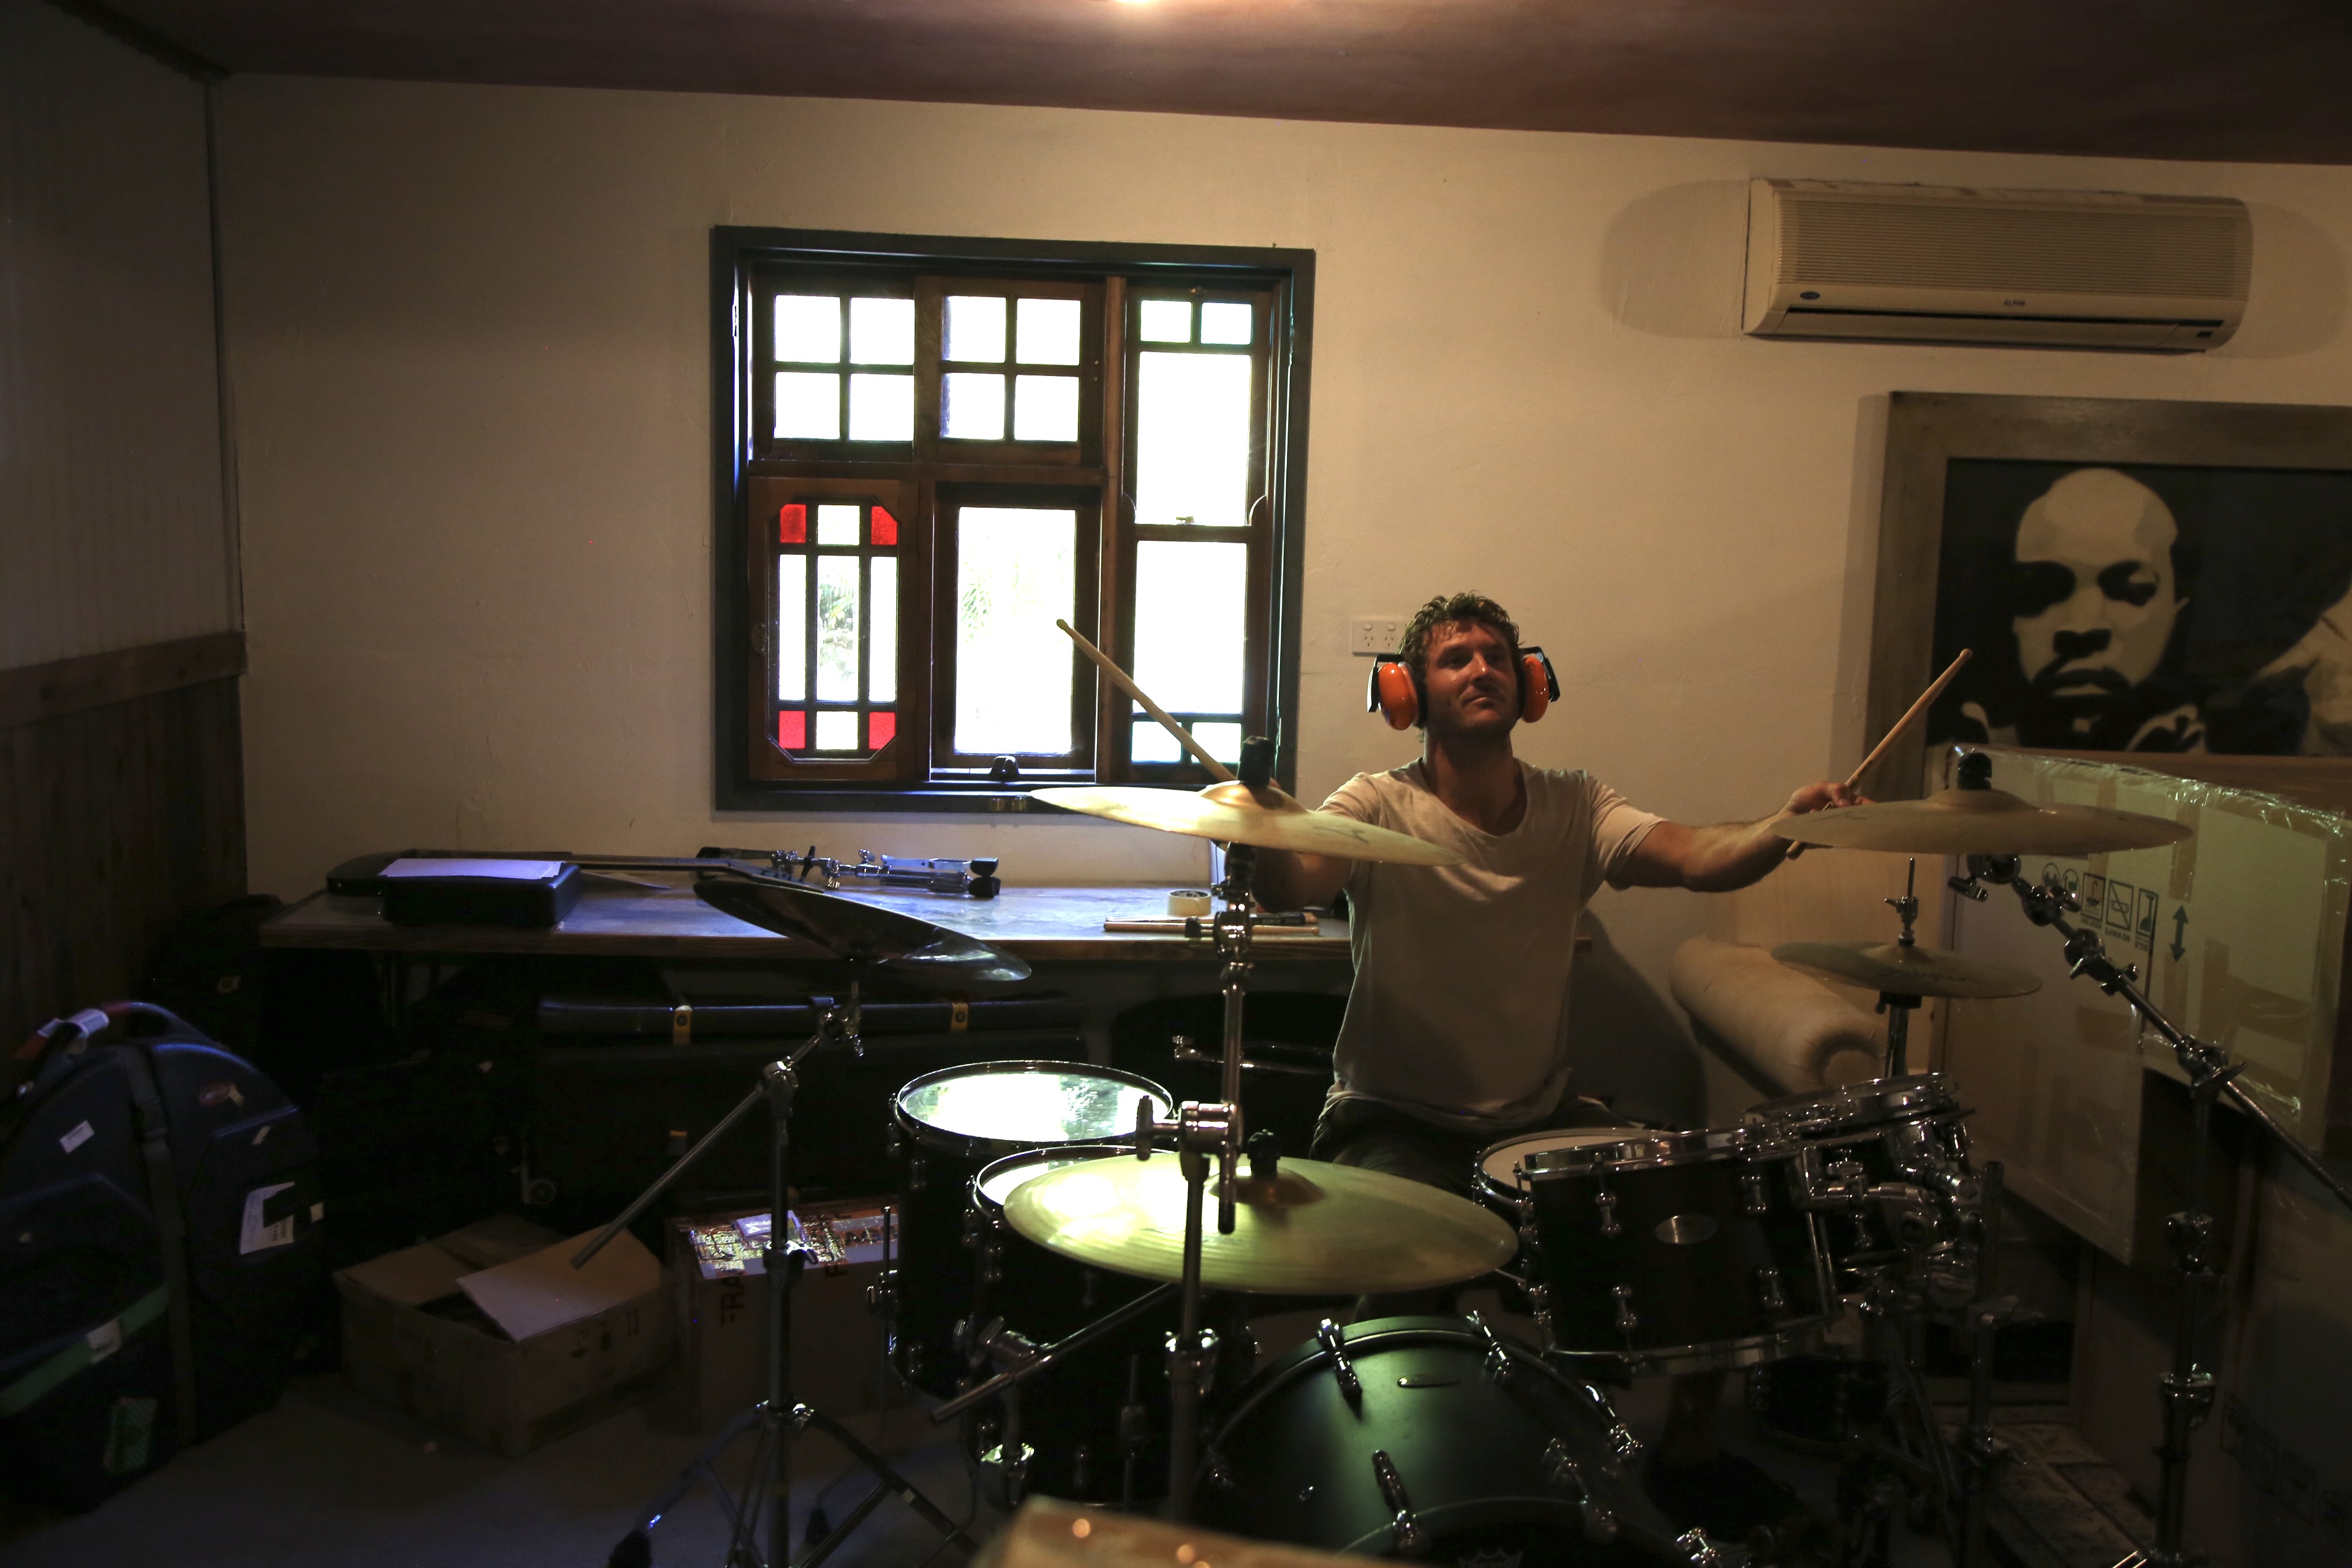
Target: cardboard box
719,1299
490,1333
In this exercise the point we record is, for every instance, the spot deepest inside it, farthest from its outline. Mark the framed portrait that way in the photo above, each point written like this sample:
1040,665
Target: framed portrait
2166,583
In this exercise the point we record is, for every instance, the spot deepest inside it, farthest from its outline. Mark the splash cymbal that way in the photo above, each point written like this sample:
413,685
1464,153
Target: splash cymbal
1914,971
1232,814
1978,822
1314,1229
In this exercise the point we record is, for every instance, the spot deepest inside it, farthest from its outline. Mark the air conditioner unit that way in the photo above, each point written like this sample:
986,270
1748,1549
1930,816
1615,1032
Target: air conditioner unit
2087,270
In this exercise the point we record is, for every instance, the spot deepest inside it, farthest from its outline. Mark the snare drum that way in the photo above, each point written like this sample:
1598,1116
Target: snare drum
1886,1163
1664,1252
945,1126
1069,1416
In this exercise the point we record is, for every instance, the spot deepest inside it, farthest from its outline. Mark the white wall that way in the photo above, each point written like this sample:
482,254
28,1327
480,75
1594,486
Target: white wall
111,525
471,326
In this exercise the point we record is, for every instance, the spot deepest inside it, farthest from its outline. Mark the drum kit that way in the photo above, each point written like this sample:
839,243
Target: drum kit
1076,1250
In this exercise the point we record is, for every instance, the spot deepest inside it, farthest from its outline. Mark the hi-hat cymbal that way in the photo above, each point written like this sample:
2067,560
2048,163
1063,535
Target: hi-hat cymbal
1315,1229
1978,822
897,944
1889,966
1231,814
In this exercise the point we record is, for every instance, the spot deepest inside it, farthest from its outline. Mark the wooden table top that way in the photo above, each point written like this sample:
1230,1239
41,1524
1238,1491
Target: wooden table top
629,922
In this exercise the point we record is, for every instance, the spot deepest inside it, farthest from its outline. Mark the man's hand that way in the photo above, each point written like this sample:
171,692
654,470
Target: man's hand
1822,796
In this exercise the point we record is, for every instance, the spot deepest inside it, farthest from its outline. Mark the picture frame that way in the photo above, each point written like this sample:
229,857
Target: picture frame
1986,457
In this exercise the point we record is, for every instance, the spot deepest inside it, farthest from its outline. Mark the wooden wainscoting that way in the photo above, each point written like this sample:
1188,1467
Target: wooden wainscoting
121,811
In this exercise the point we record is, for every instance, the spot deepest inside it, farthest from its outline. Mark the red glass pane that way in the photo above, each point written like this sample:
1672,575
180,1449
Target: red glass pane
880,724
791,728
885,527
791,525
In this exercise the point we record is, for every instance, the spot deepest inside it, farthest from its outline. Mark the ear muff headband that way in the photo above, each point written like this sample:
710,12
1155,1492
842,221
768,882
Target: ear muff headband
1392,692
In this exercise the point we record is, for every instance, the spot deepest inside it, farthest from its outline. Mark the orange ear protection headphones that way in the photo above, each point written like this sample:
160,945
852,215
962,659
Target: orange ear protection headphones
1393,691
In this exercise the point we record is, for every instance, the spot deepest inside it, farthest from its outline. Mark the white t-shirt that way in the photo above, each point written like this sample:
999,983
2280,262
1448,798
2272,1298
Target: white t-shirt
1459,1011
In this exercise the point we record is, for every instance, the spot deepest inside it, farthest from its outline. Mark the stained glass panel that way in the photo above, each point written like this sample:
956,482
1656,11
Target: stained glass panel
836,731
792,524
882,630
880,725
1192,439
791,728
836,525
885,527
1016,572
791,629
837,628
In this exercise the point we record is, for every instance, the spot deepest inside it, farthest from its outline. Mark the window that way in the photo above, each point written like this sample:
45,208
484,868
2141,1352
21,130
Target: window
931,450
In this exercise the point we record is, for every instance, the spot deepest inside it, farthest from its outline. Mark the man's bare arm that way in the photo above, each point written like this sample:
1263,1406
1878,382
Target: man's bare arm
1290,881
1728,854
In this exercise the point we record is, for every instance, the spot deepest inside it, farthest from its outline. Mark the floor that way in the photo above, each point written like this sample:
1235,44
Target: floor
328,1479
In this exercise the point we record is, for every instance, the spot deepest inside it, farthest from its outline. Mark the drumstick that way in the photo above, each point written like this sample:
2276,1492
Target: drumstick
1910,716
1118,677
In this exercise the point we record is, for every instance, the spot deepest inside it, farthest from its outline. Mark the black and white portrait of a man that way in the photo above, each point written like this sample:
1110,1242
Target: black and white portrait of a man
2146,608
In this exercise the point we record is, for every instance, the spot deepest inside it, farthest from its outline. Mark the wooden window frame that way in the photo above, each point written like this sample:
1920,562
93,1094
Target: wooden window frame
915,773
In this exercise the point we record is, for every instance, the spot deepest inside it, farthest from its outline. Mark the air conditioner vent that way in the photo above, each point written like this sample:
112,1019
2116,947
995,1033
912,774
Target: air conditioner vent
2089,269
2104,250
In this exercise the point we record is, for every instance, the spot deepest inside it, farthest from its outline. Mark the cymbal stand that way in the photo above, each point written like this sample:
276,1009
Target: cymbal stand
778,1418
1899,1005
2187,1390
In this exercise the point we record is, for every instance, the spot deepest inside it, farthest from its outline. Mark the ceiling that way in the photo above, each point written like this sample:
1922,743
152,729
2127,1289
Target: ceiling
2233,79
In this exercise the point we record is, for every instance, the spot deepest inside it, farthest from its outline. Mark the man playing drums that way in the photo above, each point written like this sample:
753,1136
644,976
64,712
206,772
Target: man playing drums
1456,1030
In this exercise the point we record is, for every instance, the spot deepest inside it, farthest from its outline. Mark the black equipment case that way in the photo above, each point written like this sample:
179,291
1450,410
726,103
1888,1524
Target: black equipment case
159,1245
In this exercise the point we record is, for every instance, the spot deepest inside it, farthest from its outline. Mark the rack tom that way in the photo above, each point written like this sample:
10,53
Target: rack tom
1885,1162
1664,1252
945,1127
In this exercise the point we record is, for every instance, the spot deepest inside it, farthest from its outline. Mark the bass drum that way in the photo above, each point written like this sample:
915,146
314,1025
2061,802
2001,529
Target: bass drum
1433,1438
945,1126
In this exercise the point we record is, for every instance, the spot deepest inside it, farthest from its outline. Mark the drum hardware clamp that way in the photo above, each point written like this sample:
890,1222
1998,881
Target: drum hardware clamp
1334,1341
1565,1475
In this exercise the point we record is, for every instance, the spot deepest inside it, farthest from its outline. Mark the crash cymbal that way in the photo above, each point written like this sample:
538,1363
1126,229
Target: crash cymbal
1978,822
1889,966
1314,1230
1231,814
897,945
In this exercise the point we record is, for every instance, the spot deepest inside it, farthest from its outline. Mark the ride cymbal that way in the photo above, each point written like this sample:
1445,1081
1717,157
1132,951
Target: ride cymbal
1231,814
1978,822
1891,967
1315,1229
897,944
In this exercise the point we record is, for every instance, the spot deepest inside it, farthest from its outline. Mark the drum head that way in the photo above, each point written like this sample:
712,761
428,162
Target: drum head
1017,1105
1554,1149
995,1183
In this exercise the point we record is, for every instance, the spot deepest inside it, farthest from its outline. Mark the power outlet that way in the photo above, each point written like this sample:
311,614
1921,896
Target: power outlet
1369,635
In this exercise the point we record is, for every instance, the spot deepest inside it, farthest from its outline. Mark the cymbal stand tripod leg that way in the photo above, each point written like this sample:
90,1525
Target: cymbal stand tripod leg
778,1418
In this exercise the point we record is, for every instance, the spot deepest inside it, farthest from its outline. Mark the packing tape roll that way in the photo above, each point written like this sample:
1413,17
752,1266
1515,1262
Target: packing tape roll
1190,901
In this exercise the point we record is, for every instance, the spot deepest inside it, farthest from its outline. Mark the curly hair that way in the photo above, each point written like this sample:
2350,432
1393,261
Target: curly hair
1448,608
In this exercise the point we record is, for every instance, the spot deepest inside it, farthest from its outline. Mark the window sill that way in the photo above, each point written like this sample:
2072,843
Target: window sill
940,800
